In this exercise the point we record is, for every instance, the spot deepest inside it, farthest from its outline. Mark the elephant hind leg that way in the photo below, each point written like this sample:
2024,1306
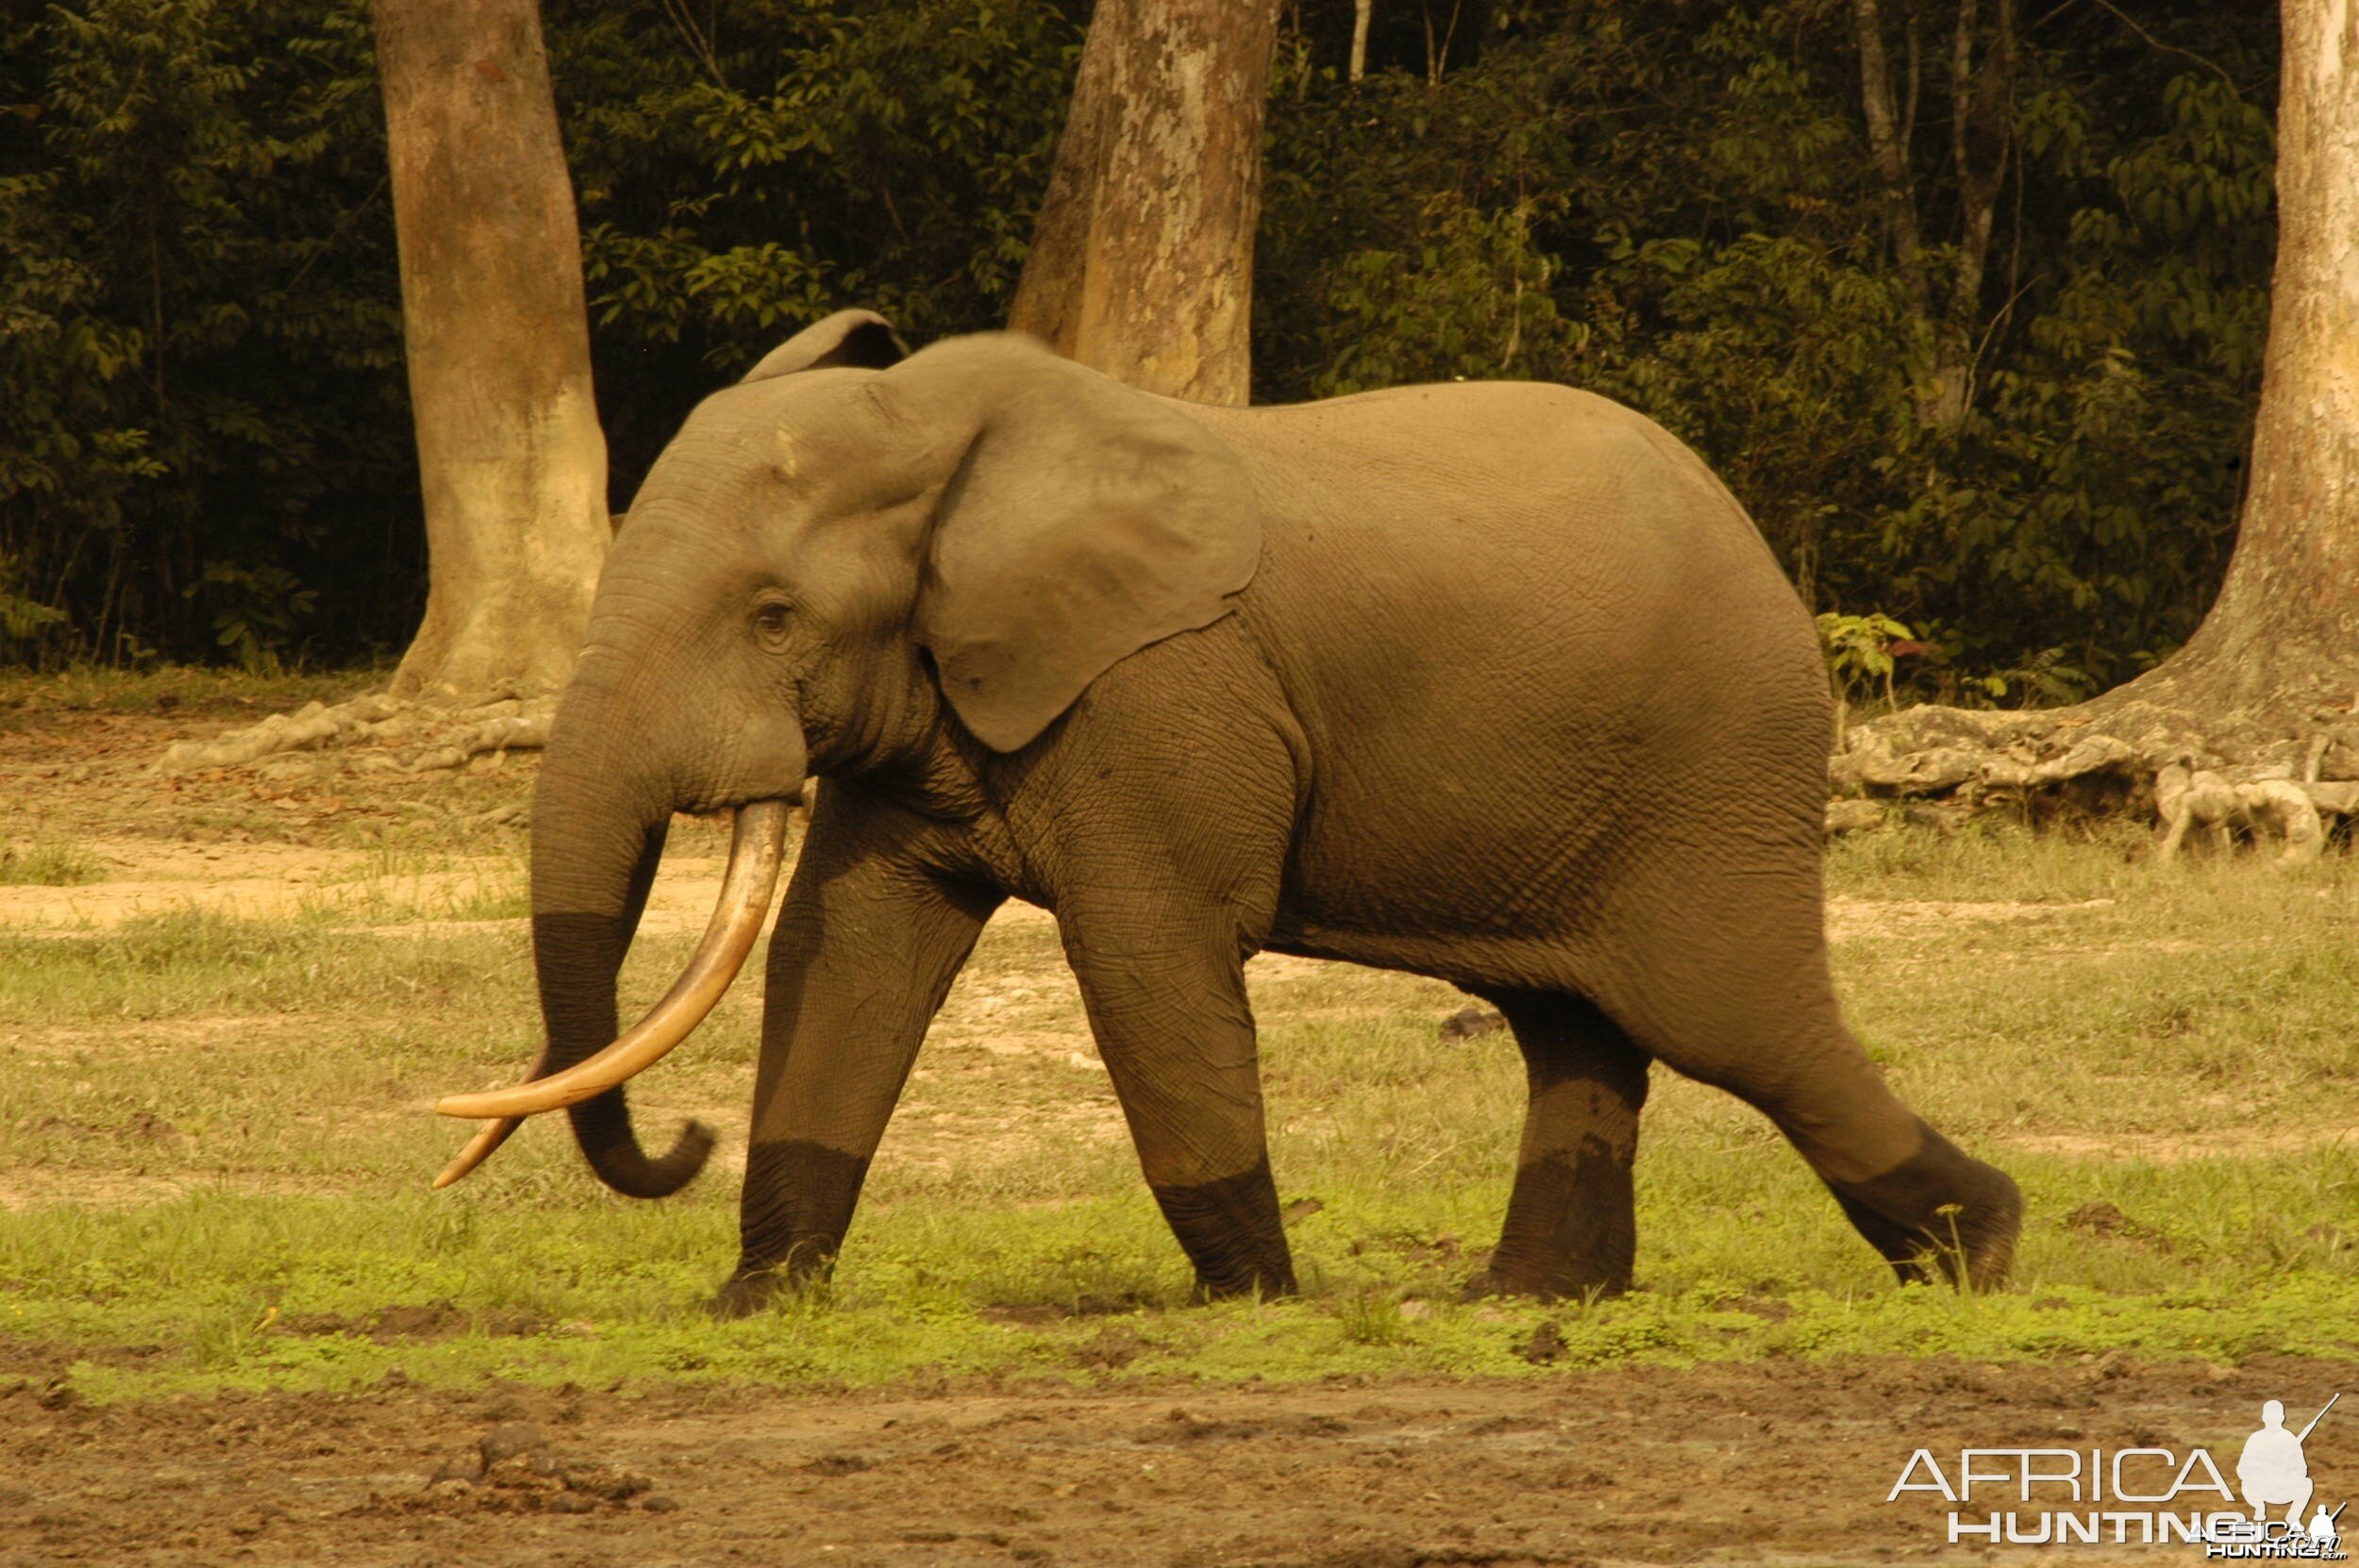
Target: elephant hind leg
1942,1206
1767,1028
1571,1227
1914,1196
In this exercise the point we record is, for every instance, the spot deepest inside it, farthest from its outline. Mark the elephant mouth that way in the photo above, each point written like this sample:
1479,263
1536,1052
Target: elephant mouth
756,850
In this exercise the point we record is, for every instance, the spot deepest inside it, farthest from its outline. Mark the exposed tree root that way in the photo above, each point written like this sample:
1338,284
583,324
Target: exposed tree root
415,736
2284,771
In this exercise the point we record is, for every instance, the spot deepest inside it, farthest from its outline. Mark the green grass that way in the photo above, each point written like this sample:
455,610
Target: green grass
48,861
220,691
219,1136
393,885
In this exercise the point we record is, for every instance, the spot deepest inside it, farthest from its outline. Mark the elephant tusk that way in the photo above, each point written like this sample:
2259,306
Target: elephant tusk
491,1135
756,852
480,1148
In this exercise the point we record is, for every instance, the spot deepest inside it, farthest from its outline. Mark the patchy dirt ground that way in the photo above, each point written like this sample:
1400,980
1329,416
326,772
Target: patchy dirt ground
1770,1463
305,831
147,876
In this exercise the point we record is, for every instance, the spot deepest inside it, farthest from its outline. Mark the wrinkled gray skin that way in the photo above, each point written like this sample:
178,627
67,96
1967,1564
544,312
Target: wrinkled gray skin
1494,683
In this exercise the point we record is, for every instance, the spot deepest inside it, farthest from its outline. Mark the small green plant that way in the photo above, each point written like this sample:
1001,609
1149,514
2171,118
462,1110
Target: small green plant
1944,1255
259,607
2041,680
23,618
1859,651
48,862
1372,1316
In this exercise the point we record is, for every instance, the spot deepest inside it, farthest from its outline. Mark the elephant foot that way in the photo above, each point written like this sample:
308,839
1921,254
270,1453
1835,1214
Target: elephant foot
1232,1232
1941,1214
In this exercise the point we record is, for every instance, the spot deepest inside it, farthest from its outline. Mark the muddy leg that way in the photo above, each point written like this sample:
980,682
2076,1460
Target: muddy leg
1916,1199
1571,1225
1939,1206
866,946
1177,1033
1761,1021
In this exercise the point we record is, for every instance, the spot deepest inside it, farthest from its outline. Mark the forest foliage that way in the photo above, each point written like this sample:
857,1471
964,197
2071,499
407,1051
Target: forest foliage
207,451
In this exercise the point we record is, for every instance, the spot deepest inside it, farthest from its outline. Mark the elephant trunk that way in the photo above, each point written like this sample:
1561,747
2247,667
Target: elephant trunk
598,833
580,933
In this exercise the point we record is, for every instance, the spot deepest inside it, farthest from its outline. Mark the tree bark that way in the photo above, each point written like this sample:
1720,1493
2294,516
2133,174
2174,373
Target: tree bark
1888,144
1142,259
511,458
1981,131
1941,351
2286,622
2260,711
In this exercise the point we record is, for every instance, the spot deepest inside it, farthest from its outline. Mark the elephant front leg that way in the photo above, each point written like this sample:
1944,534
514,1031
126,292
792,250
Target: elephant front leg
1178,1036
1572,1218
862,958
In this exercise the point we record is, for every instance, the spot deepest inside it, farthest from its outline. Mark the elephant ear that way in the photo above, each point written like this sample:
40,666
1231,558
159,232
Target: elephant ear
1087,521
861,338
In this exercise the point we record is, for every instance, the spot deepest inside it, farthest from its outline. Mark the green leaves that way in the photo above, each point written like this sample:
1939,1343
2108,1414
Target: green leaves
1673,202
207,449
887,156
1477,283
188,273
258,607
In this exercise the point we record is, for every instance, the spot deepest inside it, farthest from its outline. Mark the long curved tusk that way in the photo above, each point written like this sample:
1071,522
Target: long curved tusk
491,1135
756,852
480,1148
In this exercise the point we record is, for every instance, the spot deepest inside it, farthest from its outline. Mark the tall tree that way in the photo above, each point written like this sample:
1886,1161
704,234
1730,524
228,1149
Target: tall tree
1142,259
511,461
2286,622
1982,121
2270,683
511,458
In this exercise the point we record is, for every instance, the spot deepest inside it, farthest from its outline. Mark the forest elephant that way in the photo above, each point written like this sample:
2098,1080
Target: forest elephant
1490,682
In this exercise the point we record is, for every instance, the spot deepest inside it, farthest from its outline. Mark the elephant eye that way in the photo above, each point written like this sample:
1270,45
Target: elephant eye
771,620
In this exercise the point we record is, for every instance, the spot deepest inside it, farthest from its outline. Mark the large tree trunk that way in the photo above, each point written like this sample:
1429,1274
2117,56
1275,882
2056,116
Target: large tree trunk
1142,260
510,454
512,460
2286,622
2265,696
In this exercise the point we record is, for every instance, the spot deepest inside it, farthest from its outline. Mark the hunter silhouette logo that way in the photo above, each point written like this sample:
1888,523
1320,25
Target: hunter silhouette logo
2273,1470
2068,1496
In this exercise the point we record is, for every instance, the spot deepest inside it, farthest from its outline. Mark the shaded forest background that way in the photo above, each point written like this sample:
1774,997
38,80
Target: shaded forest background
205,442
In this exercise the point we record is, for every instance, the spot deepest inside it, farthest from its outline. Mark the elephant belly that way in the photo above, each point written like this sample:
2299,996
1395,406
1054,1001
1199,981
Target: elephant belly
1501,835
1493,915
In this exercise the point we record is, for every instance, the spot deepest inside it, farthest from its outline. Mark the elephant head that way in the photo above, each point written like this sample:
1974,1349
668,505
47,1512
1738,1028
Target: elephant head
838,565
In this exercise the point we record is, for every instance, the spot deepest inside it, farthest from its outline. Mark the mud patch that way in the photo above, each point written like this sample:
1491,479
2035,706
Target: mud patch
1718,1464
436,1320
514,1468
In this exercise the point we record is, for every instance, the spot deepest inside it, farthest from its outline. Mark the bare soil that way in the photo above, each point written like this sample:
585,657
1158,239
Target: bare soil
92,775
1748,1463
